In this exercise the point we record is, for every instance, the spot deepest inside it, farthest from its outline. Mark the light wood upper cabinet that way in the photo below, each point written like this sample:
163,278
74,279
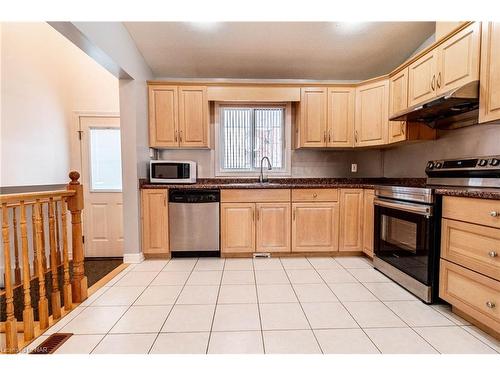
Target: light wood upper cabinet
273,227
489,102
368,221
351,220
163,116
193,116
154,220
178,117
315,227
372,114
448,66
459,59
398,101
422,78
341,108
237,227
313,117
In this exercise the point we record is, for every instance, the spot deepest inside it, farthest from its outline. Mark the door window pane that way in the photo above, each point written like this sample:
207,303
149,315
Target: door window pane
105,159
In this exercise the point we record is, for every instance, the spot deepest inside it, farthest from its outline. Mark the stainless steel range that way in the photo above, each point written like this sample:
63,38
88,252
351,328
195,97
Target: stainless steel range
408,219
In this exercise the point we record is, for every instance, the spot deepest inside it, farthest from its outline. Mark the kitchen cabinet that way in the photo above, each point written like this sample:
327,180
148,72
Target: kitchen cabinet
178,117
470,267
238,227
452,64
372,114
489,101
351,220
340,117
154,221
255,220
273,227
315,226
398,101
312,117
368,221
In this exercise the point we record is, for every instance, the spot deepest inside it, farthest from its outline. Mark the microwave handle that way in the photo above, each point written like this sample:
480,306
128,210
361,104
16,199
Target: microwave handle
419,209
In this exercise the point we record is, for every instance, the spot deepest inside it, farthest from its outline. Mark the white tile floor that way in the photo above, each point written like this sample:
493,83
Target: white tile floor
288,305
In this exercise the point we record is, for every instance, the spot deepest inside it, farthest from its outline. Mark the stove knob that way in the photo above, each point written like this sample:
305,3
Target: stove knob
483,163
439,165
430,165
494,162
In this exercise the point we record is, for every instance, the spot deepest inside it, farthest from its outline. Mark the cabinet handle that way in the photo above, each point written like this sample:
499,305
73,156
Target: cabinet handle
324,136
258,215
433,82
490,304
253,215
439,80
175,136
315,195
402,128
493,254
494,213
180,135
329,135
295,209
356,136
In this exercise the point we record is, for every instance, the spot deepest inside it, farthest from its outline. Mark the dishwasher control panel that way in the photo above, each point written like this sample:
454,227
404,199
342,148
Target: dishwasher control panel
193,196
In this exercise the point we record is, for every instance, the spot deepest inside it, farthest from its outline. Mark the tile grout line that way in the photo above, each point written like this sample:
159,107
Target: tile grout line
173,305
128,308
300,303
258,306
216,304
342,303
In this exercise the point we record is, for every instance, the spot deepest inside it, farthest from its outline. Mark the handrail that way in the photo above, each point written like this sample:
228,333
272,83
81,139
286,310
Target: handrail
31,197
46,211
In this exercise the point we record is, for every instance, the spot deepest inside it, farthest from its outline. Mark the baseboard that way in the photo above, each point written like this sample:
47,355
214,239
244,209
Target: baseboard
133,258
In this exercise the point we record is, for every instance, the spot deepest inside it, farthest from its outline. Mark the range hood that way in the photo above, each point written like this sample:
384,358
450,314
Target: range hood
453,109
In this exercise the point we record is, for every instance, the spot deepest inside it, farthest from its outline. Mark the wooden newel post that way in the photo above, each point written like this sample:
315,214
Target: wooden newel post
75,206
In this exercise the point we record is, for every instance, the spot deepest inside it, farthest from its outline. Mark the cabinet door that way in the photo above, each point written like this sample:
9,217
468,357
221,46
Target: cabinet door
372,114
368,221
163,116
351,220
273,227
315,227
422,78
489,102
341,110
154,215
459,59
398,101
238,227
312,127
193,117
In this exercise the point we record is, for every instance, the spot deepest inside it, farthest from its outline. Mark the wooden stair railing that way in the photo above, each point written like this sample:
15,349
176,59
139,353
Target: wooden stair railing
21,269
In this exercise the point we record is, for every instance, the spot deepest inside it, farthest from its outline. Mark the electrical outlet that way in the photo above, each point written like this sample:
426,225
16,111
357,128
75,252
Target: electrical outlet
354,167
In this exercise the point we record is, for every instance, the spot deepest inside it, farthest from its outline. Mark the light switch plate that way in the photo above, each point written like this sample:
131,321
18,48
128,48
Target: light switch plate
354,168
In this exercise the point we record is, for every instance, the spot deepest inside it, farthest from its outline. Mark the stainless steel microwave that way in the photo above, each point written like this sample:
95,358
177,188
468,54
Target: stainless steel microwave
172,172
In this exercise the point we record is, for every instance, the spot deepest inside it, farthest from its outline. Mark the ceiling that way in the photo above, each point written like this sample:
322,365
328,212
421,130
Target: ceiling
277,50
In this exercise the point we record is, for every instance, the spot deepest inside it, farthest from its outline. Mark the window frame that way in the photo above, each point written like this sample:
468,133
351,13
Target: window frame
282,172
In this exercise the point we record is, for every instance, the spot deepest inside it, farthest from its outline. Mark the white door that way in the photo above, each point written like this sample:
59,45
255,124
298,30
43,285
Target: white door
102,184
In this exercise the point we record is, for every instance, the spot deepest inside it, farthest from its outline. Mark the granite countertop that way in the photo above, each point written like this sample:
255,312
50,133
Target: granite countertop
483,193
287,183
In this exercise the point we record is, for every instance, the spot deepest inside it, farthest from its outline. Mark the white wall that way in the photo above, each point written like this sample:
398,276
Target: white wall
44,79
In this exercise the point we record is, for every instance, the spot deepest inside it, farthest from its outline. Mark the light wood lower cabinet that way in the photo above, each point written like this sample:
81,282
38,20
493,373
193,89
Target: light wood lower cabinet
315,227
238,227
368,221
154,220
351,220
273,227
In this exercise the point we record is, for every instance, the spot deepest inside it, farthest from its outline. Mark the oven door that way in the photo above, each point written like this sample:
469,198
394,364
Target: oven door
403,237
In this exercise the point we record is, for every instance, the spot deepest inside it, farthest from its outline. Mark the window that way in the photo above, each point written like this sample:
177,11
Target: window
105,159
248,133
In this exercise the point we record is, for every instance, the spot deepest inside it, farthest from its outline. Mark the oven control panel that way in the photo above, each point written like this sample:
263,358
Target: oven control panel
469,164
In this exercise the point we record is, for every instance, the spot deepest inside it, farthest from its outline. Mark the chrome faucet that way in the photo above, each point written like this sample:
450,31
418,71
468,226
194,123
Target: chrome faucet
269,167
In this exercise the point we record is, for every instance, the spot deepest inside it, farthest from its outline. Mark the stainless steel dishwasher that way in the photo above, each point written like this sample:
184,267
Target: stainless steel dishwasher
194,222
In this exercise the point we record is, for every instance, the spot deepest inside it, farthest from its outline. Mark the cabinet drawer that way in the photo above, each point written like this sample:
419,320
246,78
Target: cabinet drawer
472,210
255,195
474,294
472,246
311,195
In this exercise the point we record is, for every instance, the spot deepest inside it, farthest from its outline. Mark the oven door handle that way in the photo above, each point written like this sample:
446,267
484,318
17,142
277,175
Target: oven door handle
419,209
